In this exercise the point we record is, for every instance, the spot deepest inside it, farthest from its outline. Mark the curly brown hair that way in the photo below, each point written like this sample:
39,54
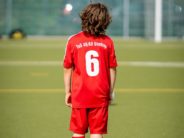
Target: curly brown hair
95,19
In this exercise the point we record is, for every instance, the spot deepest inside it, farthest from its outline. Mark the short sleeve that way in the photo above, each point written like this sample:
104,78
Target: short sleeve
112,57
68,60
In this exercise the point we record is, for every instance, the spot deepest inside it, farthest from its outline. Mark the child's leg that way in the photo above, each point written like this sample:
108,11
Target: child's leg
78,122
96,136
75,135
98,118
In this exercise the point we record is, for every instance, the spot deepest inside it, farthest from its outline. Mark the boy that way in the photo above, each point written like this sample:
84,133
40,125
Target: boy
89,73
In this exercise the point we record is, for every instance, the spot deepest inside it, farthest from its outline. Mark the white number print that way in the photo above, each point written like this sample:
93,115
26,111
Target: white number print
92,63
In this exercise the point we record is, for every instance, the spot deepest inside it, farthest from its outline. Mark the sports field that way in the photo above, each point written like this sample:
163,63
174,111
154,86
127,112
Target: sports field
149,100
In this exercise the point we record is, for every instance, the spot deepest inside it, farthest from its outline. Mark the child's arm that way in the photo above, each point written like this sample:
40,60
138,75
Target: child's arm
113,80
67,83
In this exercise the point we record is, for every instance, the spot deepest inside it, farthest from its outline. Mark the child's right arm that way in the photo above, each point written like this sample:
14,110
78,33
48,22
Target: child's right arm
112,80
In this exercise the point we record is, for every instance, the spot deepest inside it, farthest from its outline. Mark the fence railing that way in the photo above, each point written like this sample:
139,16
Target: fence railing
131,18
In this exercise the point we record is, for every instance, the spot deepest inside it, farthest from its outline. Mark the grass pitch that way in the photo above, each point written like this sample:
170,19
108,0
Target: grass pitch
149,94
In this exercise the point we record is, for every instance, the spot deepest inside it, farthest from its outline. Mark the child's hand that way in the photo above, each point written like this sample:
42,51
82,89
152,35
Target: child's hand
112,96
68,99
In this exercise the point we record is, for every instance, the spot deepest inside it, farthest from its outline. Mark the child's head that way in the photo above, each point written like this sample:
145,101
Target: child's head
95,19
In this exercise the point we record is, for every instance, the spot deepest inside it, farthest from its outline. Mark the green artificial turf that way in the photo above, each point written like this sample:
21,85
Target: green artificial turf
148,102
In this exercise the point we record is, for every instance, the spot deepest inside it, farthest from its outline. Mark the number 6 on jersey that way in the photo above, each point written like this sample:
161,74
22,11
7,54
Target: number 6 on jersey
92,63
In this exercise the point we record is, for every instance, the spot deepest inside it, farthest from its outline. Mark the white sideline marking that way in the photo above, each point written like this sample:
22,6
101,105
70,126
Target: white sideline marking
157,64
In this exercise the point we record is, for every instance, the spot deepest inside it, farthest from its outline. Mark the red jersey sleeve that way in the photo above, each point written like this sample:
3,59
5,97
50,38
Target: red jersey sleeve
68,62
112,56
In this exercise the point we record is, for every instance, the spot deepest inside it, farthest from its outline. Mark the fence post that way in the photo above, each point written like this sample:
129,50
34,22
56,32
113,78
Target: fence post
8,16
126,18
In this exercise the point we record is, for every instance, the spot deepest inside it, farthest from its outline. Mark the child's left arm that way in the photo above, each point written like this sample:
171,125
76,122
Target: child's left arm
67,83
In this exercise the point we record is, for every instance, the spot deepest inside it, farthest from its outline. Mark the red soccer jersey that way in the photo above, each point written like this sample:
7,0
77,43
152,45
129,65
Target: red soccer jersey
91,59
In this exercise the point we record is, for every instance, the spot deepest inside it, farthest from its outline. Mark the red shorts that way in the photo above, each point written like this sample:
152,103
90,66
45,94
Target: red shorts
93,118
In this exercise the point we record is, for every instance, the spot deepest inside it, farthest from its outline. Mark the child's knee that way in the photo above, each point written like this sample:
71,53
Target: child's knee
96,136
75,135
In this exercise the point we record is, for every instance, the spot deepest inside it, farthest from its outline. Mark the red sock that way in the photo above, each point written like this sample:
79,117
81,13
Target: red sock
79,137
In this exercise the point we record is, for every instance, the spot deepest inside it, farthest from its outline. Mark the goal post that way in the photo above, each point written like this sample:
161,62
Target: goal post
158,21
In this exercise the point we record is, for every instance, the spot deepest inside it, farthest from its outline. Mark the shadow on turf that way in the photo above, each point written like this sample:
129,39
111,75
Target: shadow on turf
113,104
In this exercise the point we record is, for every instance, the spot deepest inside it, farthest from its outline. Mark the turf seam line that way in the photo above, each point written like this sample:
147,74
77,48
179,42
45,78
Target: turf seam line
118,90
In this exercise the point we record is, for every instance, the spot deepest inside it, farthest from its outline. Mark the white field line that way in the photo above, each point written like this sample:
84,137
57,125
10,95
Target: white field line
152,64
156,64
30,63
